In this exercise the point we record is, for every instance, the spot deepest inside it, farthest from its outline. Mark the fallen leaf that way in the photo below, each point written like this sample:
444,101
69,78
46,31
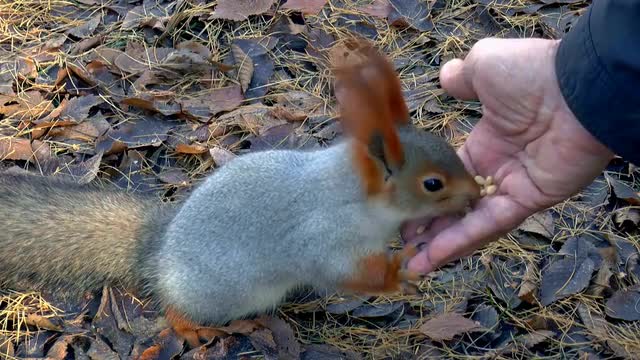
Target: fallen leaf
41,322
581,248
85,44
263,341
625,305
504,280
565,277
60,348
86,171
78,108
540,223
529,285
149,14
447,326
377,310
205,105
221,156
245,66
87,28
240,10
6,347
307,7
344,307
191,149
599,330
15,149
623,191
412,13
162,102
285,136
286,343
254,118
243,327
174,177
327,352
167,346
378,8
487,316
257,50
55,42
134,133
105,323
27,105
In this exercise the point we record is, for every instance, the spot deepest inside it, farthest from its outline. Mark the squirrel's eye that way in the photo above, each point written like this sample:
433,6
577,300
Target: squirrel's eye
432,184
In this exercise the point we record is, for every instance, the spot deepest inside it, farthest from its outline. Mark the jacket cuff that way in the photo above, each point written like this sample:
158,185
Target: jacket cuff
590,88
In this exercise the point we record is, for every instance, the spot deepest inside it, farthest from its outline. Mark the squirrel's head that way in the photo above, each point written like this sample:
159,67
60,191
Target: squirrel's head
430,181
414,172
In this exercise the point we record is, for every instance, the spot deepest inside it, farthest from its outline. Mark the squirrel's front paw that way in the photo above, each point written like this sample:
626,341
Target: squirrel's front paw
385,273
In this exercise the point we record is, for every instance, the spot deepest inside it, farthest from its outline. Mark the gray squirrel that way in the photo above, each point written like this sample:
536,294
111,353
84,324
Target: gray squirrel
258,227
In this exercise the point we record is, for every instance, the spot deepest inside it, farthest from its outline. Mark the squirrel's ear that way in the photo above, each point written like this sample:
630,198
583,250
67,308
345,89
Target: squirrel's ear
371,104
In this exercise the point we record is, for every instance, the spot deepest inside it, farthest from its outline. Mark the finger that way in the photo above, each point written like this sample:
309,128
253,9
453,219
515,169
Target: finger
483,225
455,78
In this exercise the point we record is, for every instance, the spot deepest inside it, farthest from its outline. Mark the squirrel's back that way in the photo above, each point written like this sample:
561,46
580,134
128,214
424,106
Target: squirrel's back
60,234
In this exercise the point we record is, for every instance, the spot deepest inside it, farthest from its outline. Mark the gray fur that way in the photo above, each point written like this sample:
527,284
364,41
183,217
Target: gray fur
255,229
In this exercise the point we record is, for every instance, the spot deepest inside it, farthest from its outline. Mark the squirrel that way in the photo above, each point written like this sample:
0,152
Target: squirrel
256,228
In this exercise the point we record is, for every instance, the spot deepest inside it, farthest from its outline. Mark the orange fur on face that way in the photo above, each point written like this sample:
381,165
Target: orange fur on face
371,103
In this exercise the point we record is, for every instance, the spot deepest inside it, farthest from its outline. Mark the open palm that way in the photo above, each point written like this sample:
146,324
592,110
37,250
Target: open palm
528,140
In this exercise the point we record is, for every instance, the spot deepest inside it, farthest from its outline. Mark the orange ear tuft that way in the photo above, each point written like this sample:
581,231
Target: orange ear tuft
371,103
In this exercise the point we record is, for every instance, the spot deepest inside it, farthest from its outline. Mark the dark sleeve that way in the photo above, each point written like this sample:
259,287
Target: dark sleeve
598,68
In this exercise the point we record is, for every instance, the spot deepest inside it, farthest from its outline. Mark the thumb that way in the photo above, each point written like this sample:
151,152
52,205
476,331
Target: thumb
456,80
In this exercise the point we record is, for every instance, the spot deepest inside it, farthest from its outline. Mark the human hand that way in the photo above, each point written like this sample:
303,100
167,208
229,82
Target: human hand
528,140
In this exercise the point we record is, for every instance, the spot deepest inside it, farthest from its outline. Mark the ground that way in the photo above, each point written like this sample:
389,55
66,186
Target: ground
152,96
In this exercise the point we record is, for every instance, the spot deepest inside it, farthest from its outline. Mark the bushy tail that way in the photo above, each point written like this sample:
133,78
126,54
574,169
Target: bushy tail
60,235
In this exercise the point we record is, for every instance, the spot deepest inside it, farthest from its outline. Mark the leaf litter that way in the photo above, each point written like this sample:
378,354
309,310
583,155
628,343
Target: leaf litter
153,95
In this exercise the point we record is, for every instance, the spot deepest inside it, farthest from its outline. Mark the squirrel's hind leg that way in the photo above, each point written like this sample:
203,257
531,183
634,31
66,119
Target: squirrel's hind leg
190,331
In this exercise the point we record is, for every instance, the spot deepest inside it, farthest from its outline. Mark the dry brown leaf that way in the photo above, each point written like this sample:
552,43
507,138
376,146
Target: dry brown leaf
78,108
283,113
212,102
221,156
540,223
307,7
529,285
240,10
245,66
191,149
286,342
156,101
41,322
30,104
243,327
55,42
174,176
85,44
378,8
447,326
195,47
254,118
15,149
602,280
87,28
623,191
